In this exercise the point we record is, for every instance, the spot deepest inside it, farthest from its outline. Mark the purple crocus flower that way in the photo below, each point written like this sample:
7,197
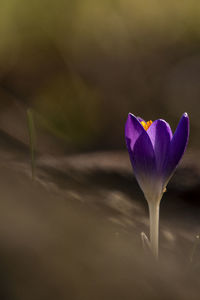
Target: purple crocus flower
155,152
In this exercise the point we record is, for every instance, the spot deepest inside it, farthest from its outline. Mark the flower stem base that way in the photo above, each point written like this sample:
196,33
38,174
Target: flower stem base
154,226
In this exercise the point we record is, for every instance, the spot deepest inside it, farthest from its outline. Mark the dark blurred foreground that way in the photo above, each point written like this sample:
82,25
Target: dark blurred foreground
74,232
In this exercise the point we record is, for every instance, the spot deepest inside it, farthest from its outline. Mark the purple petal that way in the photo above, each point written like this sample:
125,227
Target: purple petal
144,164
160,135
133,129
141,120
178,144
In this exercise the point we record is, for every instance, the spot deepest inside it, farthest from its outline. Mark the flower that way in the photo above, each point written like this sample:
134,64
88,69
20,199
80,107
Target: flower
155,152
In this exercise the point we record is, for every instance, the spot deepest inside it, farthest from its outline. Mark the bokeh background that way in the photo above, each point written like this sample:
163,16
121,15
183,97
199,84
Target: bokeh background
83,65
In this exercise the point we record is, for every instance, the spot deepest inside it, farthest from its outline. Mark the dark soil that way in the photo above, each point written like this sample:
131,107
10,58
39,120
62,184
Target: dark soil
74,232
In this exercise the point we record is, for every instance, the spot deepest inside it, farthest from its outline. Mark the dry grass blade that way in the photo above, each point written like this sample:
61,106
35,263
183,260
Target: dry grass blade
32,139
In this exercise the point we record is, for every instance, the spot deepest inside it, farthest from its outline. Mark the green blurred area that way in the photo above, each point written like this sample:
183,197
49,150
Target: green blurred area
83,65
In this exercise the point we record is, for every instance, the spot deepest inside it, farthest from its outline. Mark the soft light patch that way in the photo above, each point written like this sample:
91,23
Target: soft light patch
146,125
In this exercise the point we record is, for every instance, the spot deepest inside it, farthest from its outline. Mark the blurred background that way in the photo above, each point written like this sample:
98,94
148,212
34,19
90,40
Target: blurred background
83,65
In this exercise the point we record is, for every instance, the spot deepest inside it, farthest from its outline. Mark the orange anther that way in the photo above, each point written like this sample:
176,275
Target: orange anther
146,125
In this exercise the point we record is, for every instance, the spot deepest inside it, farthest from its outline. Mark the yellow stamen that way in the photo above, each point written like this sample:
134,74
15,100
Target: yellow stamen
146,125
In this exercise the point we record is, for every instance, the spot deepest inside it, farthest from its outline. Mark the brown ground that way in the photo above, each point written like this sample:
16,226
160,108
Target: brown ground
74,232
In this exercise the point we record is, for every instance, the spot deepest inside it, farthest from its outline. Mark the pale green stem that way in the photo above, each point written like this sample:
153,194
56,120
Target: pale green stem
32,139
154,226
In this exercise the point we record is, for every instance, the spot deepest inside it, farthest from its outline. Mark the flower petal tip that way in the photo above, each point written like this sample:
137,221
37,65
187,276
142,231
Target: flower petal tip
185,119
185,116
